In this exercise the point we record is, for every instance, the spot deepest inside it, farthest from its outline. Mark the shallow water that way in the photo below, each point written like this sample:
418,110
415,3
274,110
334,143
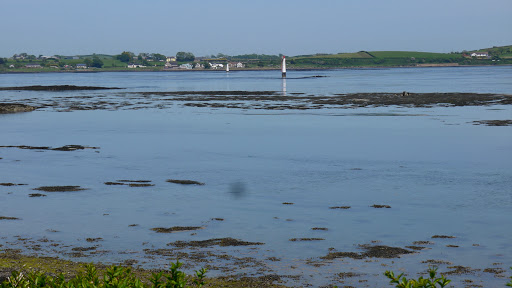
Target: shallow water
440,174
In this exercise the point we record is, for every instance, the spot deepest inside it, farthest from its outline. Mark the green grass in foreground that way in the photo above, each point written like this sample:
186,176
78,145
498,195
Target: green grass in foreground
64,274
55,273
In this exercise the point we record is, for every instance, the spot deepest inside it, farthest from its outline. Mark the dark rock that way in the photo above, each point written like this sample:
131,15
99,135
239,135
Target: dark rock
60,188
224,242
185,182
176,229
380,206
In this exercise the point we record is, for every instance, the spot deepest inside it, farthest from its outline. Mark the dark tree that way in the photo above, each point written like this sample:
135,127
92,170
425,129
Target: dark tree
125,57
158,57
3,61
88,62
96,62
184,56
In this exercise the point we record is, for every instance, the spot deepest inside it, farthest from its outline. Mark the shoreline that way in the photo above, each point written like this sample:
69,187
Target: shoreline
255,69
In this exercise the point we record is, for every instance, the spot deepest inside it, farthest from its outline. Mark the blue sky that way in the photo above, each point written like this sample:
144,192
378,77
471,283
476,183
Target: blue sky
290,27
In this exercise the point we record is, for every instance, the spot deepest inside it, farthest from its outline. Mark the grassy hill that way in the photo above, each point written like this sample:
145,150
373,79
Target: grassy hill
357,55
500,55
501,51
413,54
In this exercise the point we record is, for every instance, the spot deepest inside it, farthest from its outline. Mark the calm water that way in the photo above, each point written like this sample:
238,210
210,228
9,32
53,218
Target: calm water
440,174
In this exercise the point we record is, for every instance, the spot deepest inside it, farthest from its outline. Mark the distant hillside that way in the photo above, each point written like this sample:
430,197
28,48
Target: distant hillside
413,54
498,51
357,55
498,55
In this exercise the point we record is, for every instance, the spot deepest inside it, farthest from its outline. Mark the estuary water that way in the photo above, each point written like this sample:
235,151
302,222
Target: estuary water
439,173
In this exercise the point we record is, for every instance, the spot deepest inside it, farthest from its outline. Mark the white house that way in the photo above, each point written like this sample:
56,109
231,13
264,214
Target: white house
480,54
186,66
81,66
135,66
216,65
199,66
33,66
236,65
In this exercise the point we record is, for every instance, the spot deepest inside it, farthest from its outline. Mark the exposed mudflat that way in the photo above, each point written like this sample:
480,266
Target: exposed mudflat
339,207
443,237
11,184
379,251
185,182
380,206
60,188
306,239
8,218
176,229
15,108
493,122
265,100
63,148
56,88
223,242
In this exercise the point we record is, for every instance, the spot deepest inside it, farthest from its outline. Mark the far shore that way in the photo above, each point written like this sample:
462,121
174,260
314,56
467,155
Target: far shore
248,69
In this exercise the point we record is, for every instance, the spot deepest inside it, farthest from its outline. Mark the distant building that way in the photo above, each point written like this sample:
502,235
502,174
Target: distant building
81,66
33,66
135,66
11,66
170,65
480,54
199,66
216,65
170,59
236,65
186,66
49,57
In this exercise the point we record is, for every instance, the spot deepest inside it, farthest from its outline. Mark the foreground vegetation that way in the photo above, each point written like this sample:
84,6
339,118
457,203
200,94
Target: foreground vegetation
115,276
98,276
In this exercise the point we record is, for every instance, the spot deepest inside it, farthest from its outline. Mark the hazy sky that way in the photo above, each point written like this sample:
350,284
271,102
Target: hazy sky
290,27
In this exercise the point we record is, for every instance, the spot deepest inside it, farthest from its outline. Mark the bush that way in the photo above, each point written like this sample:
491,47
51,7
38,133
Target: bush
510,283
114,277
433,281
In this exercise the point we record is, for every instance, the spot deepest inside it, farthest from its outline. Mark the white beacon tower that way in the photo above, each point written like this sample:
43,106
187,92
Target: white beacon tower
227,67
283,67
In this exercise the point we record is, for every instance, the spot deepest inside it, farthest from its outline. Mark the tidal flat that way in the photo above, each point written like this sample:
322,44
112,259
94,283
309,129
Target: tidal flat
313,181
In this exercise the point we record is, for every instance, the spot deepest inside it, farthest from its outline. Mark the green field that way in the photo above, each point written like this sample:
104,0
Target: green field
412,54
357,55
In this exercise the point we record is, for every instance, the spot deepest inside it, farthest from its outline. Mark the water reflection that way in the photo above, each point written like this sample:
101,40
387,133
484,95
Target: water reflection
283,86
